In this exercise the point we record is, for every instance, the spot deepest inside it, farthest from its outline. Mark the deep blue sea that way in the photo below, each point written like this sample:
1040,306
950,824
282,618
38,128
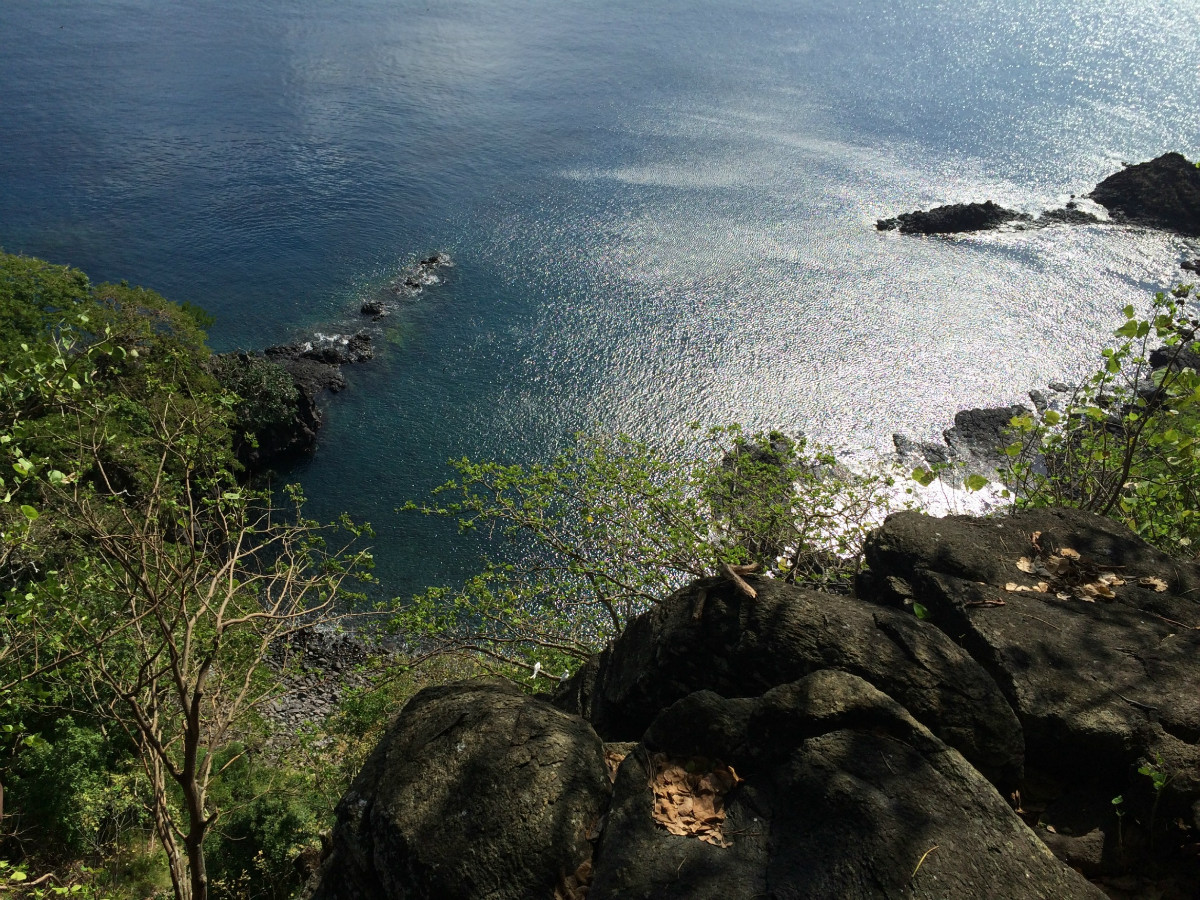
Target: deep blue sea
660,211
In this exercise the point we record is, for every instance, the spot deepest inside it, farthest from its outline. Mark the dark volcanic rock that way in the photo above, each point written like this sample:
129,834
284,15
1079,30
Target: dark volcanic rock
277,416
1191,265
711,637
843,795
477,792
980,433
373,307
1162,193
1100,687
954,218
1069,215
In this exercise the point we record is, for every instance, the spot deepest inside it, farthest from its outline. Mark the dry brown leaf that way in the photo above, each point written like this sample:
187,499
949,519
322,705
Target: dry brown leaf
1094,589
1033,539
1025,564
612,761
1013,586
1151,581
1068,553
1063,595
1112,579
576,885
689,796
1057,565
1041,587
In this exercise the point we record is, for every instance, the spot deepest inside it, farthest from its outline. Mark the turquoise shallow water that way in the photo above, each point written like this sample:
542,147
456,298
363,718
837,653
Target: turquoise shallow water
659,212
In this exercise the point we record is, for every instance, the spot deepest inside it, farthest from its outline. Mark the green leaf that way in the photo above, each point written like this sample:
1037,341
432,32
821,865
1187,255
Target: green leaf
29,512
920,611
923,476
975,482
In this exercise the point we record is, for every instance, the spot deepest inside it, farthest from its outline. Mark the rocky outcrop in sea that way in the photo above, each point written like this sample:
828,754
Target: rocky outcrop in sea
1162,193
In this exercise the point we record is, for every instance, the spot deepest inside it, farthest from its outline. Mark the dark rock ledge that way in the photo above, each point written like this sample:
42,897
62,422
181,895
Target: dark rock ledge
279,416
867,753
1162,193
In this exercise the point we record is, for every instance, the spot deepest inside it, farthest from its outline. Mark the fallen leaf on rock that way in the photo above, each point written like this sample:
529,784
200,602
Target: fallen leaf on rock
1058,565
575,886
1094,589
612,761
1112,579
1068,553
689,796
1025,564
1151,581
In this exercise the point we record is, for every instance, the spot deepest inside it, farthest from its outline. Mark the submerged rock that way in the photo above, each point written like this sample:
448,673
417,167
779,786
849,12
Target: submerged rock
1162,193
952,219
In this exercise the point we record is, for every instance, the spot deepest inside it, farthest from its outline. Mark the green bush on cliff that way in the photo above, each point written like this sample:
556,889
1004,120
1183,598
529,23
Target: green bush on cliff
612,525
141,586
1127,443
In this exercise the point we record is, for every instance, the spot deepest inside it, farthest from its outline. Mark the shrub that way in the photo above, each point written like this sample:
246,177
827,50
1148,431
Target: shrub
1125,445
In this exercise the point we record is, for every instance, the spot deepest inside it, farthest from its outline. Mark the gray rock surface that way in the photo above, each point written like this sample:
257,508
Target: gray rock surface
477,792
711,637
1100,687
844,795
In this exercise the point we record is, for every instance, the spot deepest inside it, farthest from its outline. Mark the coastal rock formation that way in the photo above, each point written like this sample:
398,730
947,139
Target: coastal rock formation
798,744
279,416
1090,633
953,218
410,283
1162,193
974,440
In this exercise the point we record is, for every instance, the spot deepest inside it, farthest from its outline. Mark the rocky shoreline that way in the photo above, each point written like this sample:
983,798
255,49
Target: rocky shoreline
1162,193
281,387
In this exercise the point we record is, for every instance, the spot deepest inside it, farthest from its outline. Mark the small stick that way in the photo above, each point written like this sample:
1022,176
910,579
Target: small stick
739,582
921,861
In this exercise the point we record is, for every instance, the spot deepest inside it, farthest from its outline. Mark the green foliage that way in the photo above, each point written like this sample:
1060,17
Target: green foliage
76,790
611,525
267,395
271,812
141,587
1126,445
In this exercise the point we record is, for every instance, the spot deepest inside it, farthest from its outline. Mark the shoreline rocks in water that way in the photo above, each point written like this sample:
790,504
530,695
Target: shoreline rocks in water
408,284
279,415
953,219
1162,193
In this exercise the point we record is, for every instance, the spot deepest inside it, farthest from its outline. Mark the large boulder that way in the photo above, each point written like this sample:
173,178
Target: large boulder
710,636
478,792
1090,633
1162,193
841,793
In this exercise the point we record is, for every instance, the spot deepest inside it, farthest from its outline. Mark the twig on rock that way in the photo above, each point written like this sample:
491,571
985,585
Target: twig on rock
734,574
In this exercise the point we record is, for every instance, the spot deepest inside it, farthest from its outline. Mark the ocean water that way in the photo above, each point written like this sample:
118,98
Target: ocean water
659,212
